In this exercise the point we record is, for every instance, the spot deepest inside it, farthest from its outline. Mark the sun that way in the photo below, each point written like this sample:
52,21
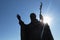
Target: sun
47,19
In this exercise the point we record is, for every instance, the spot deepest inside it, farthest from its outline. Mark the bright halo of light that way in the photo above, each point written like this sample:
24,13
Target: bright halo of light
47,19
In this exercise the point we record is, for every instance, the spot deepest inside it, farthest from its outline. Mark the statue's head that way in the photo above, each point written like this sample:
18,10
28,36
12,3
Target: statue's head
32,16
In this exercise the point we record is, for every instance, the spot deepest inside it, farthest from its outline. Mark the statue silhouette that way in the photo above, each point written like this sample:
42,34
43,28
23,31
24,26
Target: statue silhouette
36,30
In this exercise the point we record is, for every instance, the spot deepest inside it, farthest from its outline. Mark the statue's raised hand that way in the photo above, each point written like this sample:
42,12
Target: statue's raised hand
18,17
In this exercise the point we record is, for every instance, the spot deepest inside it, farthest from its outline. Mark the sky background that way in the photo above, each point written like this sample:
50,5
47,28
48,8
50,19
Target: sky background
9,27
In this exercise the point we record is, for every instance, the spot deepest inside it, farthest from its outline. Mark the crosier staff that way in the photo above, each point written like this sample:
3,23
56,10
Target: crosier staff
40,16
41,19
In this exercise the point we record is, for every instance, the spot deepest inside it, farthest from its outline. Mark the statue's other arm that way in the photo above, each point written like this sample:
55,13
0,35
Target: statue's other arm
23,27
21,23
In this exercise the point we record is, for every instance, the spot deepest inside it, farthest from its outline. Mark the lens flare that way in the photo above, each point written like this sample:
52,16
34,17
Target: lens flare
47,19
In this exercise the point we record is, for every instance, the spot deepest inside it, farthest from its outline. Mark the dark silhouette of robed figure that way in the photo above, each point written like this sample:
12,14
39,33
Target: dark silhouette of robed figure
35,30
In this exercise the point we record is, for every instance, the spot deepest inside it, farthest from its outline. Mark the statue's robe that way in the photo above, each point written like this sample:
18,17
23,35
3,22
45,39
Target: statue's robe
24,30
35,29
47,35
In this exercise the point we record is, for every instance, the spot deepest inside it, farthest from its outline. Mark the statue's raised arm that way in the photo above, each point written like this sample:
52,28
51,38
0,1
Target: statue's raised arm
18,17
21,23
23,28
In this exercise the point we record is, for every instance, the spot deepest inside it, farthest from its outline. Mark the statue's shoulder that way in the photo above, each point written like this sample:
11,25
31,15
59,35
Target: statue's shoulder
46,26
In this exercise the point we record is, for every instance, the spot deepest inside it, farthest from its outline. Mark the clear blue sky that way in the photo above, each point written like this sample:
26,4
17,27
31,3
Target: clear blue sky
9,27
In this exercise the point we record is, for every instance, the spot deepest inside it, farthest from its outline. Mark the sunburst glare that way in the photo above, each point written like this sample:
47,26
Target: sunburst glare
47,19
